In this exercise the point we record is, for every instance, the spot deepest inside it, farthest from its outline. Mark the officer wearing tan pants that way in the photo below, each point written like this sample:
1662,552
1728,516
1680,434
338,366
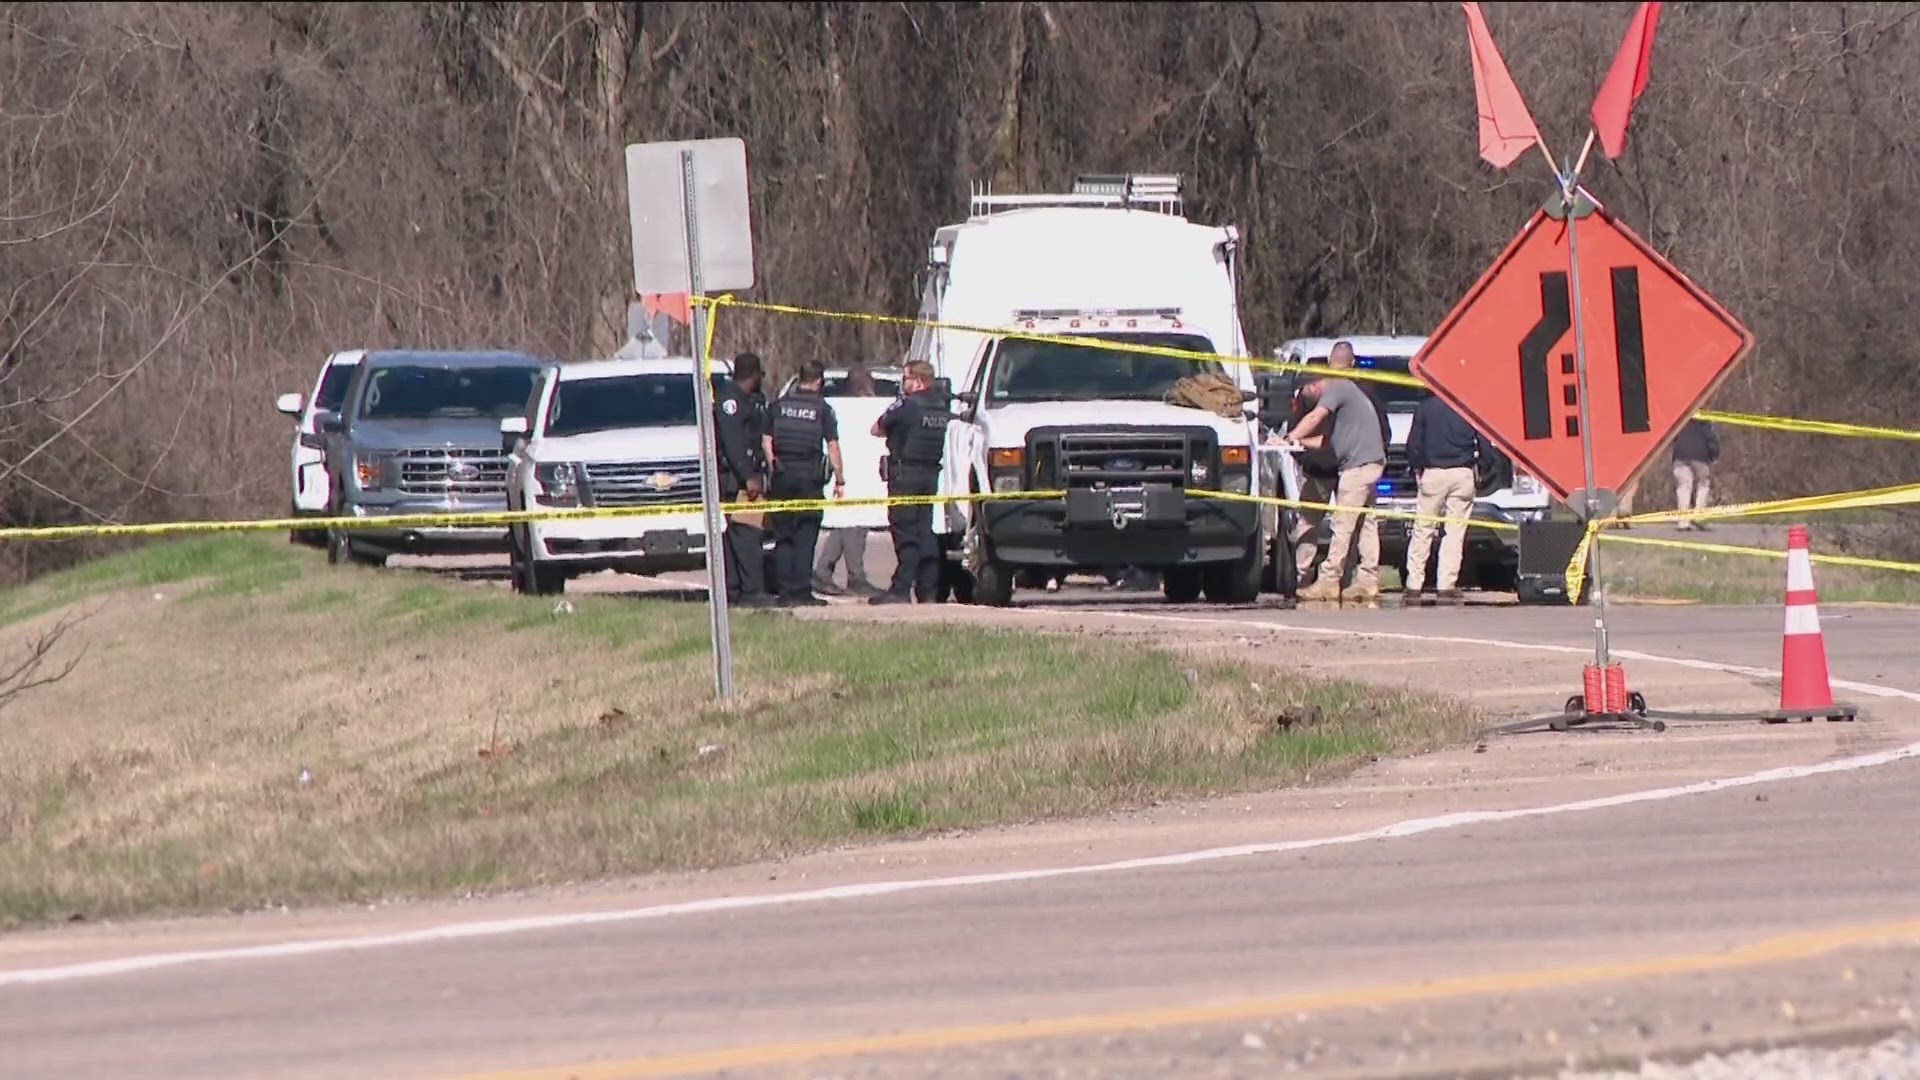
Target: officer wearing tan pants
1345,419
1442,450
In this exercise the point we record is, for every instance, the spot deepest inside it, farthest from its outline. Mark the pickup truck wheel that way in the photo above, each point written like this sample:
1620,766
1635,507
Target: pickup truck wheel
341,552
1236,582
525,572
1181,584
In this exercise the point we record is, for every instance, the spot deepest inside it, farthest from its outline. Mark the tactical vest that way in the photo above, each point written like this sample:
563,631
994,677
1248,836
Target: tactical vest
799,426
920,437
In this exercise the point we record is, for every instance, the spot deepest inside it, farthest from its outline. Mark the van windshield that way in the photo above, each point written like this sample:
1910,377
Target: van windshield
406,392
1026,370
625,401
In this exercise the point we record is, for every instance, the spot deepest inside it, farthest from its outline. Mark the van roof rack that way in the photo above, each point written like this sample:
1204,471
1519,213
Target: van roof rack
1126,191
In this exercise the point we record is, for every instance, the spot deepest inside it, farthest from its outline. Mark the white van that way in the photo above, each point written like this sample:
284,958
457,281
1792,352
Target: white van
1506,495
310,487
607,433
1114,259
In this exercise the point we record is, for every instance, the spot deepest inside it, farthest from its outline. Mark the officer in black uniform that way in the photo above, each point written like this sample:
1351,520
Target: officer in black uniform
737,430
802,423
915,427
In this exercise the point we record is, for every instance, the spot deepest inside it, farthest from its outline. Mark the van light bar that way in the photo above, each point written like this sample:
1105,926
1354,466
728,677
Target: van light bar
1027,314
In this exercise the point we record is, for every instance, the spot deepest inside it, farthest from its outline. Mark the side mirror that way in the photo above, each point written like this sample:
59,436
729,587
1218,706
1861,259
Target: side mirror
329,423
290,404
967,397
512,430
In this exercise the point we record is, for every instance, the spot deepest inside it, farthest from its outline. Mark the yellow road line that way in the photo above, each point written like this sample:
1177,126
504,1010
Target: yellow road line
1775,950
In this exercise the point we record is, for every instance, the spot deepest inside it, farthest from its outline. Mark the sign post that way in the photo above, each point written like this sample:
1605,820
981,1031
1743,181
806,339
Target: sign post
692,232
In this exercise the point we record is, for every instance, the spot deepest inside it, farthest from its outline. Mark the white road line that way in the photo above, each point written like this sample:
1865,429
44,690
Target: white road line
1414,827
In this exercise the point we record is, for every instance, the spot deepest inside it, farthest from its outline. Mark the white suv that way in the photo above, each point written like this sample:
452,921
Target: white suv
310,489
607,433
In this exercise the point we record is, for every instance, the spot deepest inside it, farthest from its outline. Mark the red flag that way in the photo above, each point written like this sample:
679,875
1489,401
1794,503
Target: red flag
1613,106
673,304
1506,127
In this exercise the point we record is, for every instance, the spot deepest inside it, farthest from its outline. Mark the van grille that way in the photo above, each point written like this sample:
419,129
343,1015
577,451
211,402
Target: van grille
1096,459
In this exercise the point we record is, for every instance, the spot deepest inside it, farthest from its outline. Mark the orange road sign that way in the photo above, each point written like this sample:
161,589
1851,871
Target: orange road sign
1656,346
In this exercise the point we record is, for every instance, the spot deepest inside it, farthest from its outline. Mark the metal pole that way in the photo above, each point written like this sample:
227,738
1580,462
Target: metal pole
1568,194
709,463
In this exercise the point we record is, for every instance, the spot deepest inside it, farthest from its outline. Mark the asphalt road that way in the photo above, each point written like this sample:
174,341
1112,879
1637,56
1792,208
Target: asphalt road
1517,943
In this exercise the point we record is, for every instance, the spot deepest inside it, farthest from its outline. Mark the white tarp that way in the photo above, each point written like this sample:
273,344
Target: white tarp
860,453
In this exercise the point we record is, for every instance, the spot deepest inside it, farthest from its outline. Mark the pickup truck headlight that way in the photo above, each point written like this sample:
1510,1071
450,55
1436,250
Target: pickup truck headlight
371,470
557,483
1004,465
1524,484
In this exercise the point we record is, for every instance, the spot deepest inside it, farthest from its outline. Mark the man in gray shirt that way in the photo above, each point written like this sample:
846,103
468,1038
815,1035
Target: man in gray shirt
1358,446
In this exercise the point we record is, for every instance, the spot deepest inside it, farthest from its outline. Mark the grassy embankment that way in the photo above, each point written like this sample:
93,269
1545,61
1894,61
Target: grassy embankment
457,738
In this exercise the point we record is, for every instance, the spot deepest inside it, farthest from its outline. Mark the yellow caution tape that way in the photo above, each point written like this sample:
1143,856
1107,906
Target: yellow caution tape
1806,427
1897,495
1368,511
490,518
1771,553
1390,378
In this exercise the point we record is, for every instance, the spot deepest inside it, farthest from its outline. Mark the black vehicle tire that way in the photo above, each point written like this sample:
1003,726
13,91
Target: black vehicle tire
991,584
1494,576
528,576
341,551
316,538
1282,574
1181,584
1236,582
956,582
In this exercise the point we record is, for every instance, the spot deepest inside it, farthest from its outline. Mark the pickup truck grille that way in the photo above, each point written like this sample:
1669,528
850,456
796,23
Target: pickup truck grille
480,473
644,483
1095,459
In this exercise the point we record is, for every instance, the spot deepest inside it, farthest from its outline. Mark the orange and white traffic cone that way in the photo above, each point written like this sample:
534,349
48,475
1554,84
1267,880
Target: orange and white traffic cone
1805,689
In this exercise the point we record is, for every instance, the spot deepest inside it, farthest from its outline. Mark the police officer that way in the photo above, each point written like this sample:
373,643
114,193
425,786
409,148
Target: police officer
801,424
737,431
915,427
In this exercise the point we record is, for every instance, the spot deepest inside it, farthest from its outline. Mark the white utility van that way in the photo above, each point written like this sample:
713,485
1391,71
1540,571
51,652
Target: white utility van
607,433
310,488
1115,260
1505,495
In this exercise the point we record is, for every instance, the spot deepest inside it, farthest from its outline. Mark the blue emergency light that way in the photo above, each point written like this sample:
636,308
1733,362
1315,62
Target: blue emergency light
1384,487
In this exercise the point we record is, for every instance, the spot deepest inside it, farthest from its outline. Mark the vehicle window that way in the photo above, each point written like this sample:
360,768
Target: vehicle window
836,386
627,401
1395,398
333,387
405,392
1028,370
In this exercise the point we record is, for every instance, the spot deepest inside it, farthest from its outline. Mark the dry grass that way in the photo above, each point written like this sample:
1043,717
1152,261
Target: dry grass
457,738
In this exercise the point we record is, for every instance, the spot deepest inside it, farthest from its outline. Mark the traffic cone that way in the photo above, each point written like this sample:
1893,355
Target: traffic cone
1804,686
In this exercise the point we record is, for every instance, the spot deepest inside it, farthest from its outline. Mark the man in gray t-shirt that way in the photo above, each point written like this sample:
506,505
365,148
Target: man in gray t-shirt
1356,442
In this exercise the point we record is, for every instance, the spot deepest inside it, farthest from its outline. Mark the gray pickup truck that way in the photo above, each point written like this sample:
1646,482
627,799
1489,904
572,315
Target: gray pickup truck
419,433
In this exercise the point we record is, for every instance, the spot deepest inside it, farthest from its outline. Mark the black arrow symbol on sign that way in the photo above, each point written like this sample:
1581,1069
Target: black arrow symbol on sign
1556,317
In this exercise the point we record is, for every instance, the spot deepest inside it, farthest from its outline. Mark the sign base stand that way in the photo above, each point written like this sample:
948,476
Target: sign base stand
1636,716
